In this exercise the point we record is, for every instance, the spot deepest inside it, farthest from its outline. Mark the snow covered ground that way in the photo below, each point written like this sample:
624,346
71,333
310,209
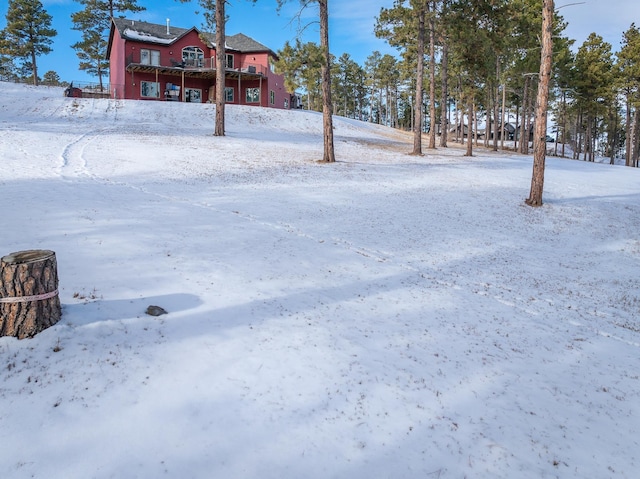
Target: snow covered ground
387,316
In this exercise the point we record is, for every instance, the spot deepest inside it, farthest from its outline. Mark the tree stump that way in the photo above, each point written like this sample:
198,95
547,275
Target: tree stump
29,299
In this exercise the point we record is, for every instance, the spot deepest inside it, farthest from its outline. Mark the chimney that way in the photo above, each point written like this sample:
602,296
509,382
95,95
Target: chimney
168,32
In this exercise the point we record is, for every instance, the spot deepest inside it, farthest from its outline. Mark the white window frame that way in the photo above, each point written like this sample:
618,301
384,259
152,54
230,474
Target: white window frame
255,95
229,61
229,93
149,89
150,57
193,56
272,97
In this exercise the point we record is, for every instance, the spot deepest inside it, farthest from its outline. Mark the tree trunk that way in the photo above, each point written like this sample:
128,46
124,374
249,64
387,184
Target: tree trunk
100,82
29,299
518,130
502,128
470,128
524,130
635,138
459,124
327,119
587,139
475,124
396,120
578,137
34,67
432,77
594,136
417,127
627,146
540,133
564,120
444,107
221,66
612,135
530,119
496,126
387,107
488,123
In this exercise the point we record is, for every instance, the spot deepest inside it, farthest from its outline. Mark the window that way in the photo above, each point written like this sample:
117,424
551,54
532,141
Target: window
272,97
193,95
228,94
193,57
149,57
253,95
149,89
286,103
229,61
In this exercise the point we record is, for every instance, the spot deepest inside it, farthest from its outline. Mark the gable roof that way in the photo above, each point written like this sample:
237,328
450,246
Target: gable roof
155,33
245,44
149,32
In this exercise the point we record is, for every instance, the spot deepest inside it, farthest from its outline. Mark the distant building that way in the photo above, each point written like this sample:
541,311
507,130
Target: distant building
163,62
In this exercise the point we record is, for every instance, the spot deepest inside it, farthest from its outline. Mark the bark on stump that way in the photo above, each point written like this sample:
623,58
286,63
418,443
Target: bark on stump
29,300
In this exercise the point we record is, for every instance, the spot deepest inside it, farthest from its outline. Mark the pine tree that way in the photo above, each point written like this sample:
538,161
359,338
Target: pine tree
471,26
28,33
51,78
328,155
121,6
540,133
374,83
432,6
629,67
594,85
389,77
94,21
401,26
348,87
563,74
7,69
216,19
443,40
220,20
301,65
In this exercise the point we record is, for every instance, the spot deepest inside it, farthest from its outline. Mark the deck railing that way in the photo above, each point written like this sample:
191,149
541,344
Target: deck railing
207,64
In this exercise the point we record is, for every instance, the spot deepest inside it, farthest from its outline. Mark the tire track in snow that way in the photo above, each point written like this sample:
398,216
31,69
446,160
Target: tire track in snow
73,164
73,161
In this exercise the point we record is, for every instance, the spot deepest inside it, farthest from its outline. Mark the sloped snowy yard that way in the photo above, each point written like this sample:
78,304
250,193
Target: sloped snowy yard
384,317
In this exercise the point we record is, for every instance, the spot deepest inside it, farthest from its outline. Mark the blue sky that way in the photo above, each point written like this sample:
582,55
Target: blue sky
351,25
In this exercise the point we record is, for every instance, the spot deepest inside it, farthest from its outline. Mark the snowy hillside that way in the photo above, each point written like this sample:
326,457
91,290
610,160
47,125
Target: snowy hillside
387,316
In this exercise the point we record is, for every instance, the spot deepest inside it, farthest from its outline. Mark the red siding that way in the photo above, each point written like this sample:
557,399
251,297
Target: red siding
128,85
117,65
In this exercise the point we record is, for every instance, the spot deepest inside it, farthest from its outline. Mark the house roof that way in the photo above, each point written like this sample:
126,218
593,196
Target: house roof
163,35
149,32
245,44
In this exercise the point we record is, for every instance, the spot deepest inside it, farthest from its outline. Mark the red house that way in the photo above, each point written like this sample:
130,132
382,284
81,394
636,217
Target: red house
162,62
